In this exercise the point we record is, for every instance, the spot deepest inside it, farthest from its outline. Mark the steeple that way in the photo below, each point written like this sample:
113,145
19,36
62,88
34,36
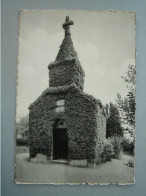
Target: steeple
66,69
67,50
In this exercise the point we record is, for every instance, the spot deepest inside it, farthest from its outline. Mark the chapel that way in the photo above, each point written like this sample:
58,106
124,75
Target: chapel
66,124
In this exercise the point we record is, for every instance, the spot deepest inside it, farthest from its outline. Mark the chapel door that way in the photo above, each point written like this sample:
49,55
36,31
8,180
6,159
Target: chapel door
60,143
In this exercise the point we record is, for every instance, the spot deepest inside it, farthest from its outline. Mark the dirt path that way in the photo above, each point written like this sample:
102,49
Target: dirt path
111,172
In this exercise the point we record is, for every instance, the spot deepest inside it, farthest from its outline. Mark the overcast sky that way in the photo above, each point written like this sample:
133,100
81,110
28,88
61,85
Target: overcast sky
104,41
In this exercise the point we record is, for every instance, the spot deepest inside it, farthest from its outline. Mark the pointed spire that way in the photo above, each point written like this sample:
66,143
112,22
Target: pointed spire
67,50
66,69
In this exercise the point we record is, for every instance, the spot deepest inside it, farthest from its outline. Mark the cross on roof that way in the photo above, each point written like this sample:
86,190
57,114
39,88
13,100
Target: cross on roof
66,25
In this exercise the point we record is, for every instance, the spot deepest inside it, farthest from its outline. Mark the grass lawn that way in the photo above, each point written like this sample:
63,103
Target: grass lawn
111,172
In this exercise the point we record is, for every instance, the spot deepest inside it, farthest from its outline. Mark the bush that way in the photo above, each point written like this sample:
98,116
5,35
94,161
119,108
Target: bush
127,145
108,152
21,142
116,142
132,147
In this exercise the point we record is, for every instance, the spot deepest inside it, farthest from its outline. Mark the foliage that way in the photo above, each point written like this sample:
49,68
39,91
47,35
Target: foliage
66,69
132,147
22,131
113,127
108,152
22,149
127,105
84,116
116,142
127,145
21,142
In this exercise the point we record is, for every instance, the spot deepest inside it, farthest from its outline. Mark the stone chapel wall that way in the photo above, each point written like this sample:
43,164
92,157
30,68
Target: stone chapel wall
81,120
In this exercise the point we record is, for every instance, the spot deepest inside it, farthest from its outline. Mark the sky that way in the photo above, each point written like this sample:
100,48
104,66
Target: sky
103,40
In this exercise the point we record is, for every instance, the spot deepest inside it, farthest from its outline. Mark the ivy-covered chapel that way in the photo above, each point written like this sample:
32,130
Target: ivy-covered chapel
64,122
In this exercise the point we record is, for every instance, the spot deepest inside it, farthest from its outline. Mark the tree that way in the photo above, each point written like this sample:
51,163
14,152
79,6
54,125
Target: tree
22,130
113,127
127,105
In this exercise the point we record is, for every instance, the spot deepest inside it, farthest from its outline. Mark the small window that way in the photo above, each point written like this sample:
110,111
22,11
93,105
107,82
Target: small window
60,109
60,102
60,106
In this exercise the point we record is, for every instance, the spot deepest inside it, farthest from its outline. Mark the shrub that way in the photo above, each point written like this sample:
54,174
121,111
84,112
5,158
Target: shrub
127,145
132,147
116,142
21,142
108,152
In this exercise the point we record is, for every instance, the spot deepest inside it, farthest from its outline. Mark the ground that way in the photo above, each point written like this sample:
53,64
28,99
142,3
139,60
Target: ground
111,172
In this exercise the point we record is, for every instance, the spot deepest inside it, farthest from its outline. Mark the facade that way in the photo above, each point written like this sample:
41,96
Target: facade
64,122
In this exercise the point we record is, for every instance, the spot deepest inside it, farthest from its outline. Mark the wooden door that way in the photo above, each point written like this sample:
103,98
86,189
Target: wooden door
60,144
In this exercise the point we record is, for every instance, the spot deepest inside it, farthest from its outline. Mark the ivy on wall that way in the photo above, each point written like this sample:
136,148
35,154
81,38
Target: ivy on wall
84,116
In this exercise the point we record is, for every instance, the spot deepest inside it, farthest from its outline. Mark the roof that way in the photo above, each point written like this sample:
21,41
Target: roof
66,51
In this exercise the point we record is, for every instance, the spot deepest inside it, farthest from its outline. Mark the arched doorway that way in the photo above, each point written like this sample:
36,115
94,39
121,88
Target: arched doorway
60,141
